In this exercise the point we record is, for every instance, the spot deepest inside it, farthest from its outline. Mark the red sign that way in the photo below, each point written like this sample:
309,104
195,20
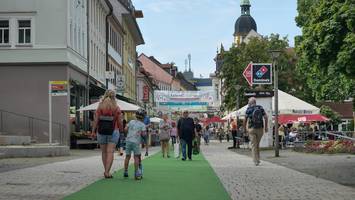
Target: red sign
248,74
145,93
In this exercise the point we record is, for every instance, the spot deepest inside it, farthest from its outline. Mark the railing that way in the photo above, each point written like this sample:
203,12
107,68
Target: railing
326,135
23,125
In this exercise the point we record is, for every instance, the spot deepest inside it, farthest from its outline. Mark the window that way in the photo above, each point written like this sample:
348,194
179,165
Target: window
24,31
4,31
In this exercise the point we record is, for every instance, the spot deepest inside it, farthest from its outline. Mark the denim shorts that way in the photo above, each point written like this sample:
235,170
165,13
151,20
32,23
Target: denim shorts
134,148
108,139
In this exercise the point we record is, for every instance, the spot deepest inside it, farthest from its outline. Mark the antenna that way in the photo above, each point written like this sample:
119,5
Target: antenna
185,65
189,57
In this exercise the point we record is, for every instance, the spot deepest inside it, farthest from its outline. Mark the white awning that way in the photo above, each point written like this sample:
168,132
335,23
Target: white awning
124,106
288,104
155,120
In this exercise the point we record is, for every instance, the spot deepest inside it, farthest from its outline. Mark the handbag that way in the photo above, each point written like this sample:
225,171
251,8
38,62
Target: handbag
176,150
164,135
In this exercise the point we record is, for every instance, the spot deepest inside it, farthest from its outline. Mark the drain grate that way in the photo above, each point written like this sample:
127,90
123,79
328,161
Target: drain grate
18,184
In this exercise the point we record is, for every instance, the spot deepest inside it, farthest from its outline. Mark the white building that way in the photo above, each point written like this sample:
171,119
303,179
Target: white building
42,41
98,10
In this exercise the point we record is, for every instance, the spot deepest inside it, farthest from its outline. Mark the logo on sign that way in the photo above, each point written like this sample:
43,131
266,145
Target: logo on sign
260,73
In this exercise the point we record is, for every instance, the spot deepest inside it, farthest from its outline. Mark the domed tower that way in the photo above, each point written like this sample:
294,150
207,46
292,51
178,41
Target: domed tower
244,24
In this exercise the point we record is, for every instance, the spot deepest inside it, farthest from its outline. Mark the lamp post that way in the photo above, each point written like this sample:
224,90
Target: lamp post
237,89
275,54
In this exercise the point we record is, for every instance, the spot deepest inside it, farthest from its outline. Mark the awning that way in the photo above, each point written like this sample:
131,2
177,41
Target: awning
288,104
284,119
155,120
124,106
214,119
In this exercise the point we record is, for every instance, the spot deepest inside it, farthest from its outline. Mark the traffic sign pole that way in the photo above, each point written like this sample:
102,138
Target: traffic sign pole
50,112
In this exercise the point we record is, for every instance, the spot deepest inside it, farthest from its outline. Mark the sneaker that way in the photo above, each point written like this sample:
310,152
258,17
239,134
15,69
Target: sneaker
125,174
140,167
138,175
183,159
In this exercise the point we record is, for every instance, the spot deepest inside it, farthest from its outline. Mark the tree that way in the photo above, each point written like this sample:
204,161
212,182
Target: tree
257,51
331,114
326,49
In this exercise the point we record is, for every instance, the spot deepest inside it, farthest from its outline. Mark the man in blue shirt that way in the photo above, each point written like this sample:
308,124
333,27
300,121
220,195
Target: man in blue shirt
254,117
145,139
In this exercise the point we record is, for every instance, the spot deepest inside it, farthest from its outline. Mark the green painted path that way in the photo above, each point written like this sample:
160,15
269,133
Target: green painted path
163,179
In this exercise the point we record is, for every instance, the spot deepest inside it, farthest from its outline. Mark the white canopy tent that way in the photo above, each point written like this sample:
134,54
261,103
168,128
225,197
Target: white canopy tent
155,120
124,106
288,104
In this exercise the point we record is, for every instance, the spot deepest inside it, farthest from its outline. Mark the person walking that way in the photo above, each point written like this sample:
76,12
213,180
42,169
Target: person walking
107,124
186,132
254,117
164,135
145,139
234,130
173,133
198,134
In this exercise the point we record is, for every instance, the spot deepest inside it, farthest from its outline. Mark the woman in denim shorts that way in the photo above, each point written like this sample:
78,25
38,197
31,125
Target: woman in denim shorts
107,124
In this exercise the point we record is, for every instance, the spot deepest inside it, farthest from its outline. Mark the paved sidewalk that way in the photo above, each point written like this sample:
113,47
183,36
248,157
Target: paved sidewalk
245,181
55,180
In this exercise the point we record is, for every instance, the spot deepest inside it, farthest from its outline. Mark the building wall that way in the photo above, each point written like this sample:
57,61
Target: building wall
115,51
49,32
28,95
98,11
129,63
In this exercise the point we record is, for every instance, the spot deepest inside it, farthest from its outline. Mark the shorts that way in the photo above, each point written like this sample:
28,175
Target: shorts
108,139
144,139
134,148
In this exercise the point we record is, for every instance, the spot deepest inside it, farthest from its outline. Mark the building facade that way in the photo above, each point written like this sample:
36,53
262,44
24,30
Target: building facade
76,41
163,79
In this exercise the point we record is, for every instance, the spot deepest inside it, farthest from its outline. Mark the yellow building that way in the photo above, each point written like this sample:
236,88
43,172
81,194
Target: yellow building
132,39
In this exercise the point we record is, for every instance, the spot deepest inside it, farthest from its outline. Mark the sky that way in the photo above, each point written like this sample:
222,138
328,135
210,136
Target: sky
174,28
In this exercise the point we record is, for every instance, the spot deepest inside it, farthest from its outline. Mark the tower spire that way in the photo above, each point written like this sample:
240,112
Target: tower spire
245,6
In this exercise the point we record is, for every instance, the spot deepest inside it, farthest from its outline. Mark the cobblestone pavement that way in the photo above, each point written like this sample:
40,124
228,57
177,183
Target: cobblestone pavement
9,164
339,167
245,181
55,180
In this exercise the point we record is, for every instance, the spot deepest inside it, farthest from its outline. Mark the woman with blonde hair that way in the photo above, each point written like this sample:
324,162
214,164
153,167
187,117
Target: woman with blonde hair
107,124
164,135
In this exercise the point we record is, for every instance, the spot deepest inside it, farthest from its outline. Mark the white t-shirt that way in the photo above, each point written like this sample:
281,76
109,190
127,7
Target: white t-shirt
293,134
135,130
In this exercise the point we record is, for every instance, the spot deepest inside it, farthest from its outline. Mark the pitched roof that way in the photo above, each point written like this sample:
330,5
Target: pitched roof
150,64
203,82
345,109
184,83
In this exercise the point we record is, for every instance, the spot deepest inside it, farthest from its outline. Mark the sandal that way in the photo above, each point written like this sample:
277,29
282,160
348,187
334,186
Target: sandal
108,176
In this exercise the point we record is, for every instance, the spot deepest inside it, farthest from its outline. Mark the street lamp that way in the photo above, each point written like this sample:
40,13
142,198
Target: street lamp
237,89
275,54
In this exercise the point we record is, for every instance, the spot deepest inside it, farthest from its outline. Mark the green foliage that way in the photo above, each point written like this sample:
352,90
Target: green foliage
331,114
326,49
257,51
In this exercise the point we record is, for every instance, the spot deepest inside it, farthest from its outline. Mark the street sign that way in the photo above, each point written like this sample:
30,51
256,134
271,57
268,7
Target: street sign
58,88
120,83
265,93
110,75
145,93
248,73
262,73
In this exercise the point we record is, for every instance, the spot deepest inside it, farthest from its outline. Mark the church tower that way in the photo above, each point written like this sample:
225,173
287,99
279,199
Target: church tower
244,24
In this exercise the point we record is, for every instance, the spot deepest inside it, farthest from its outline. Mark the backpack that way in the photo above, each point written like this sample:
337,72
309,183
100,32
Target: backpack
106,124
257,118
